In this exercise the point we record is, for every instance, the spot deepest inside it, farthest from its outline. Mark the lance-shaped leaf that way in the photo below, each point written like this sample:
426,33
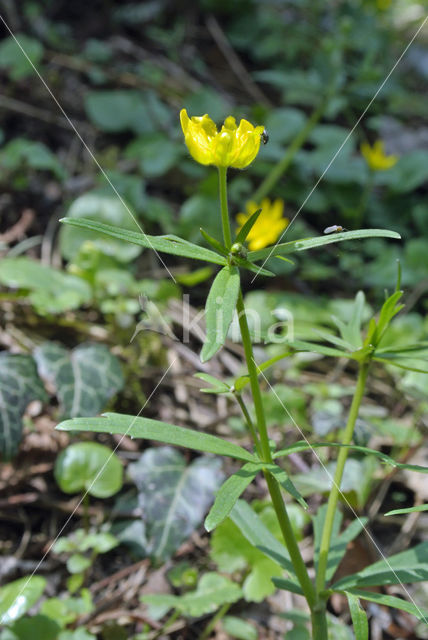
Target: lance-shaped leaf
229,493
84,378
339,542
19,385
390,601
319,241
147,429
217,386
359,618
219,310
397,512
246,264
407,566
173,496
256,532
164,244
214,242
302,445
246,228
282,478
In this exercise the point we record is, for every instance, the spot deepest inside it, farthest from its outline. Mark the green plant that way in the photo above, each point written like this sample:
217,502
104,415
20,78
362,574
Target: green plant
238,146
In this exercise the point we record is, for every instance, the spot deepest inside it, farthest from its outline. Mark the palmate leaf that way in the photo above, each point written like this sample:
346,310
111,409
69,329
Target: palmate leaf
219,310
319,241
164,244
173,496
19,385
147,429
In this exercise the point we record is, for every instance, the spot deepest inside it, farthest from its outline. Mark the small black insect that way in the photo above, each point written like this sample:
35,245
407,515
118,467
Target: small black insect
264,136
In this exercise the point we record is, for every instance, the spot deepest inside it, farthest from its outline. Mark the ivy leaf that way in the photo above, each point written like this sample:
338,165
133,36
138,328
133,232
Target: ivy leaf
49,290
219,310
19,385
84,378
138,427
17,597
173,497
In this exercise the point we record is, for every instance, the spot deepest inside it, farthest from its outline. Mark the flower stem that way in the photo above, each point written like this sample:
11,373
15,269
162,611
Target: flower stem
266,455
227,234
334,493
249,422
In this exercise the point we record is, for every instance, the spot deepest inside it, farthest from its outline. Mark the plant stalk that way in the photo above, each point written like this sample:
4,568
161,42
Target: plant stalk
266,455
249,422
334,493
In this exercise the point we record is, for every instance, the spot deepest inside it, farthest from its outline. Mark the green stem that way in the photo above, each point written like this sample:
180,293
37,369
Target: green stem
212,623
319,622
334,493
266,455
249,422
227,234
298,141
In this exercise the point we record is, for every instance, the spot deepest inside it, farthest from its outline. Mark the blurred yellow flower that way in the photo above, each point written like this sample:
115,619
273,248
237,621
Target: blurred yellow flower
376,158
232,146
269,225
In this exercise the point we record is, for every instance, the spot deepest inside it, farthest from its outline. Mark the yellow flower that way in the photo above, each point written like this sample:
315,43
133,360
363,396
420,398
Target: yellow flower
232,146
376,158
269,225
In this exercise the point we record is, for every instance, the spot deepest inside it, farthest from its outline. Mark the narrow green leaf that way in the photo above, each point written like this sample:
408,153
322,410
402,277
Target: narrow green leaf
147,429
359,617
246,264
390,601
165,244
319,241
287,585
396,512
214,243
246,228
301,345
282,478
242,381
400,364
219,310
218,386
259,535
229,493
339,342
404,567
302,445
